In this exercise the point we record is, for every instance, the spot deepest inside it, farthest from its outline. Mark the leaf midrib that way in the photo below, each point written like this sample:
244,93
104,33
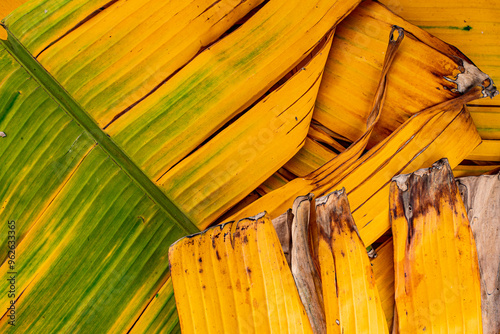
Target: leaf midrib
78,114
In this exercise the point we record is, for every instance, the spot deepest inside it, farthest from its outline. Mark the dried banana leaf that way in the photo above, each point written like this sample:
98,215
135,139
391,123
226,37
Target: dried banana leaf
437,283
426,72
383,270
352,303
481,196
304,271
283,226
233,163
472,26
488,150
234,278
443,130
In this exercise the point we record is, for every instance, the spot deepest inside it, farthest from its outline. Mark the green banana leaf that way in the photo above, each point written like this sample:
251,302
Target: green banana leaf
91,231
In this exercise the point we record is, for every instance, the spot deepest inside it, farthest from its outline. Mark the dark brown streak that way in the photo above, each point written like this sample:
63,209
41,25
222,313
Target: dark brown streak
300,97
376,107
303,118
149,302
124,111
203,48
208,8
79,24
302,142
453,48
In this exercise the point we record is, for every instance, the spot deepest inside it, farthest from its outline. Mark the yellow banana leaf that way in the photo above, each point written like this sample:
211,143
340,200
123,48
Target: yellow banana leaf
309,158
383,270
352,303
232,164
488,150
437,282
164,79
481,196
472,26
111,54
159,109
487,121
234,278
443,130
422,75
474,170
222,81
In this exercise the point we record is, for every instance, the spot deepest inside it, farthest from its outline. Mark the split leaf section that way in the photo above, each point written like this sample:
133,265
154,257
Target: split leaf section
437,281
243,155
352,302
234,278
415,81
445,129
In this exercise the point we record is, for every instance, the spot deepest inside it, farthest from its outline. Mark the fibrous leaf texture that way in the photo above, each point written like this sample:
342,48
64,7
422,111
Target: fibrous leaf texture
481,196
435,260
352,303
234,278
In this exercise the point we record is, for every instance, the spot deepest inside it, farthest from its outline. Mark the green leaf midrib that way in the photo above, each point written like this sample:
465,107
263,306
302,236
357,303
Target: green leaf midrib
73,109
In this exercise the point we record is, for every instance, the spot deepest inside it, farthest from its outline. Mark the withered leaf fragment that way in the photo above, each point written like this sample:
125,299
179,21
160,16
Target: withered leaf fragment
304,272
352,303
481,196
233,278
435,260
283,226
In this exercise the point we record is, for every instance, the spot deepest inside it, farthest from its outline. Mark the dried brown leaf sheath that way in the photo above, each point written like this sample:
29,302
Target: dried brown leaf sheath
481,196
